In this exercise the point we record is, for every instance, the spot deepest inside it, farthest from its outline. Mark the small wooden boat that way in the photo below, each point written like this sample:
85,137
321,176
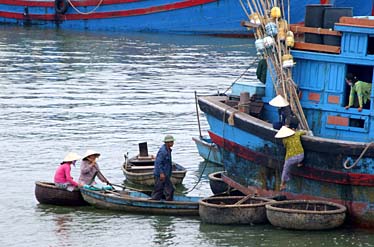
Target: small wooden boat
208,150
139,170
138,202
233,210
217,185
306,214
48,193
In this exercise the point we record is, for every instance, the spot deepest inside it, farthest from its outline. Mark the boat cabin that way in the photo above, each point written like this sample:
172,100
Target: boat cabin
320,72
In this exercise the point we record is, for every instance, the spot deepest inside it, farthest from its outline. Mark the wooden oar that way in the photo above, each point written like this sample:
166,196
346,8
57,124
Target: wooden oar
243,199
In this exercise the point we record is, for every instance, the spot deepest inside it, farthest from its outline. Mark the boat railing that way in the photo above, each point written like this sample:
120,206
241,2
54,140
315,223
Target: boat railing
302,45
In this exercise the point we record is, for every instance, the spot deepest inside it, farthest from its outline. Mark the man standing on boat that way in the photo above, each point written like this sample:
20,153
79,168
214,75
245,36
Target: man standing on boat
163,170
363,90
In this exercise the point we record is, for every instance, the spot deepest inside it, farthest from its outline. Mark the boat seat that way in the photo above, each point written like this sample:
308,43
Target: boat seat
141,167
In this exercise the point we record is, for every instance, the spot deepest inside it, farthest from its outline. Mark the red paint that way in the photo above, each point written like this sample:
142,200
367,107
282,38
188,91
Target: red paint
336,120
28,3
333,99
327,176
325,1
112,14
314,97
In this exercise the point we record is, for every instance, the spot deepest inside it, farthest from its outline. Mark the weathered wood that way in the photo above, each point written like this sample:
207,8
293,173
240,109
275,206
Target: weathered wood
137,202
317,47
48,193
225,210
316,30
144,174
306,214
362,22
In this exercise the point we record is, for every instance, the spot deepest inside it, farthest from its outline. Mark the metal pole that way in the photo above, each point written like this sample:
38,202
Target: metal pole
197,114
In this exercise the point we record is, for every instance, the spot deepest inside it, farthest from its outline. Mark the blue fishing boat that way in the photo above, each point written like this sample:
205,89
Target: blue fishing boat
216,17
339,149
138,202
208,150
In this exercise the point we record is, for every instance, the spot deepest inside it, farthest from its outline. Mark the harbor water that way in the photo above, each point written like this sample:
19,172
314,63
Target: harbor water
64,91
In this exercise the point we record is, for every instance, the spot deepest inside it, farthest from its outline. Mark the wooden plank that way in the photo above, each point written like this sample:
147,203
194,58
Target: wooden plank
362,22
317,47
316,30
249,24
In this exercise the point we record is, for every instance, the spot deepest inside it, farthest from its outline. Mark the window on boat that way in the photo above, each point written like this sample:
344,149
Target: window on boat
371,45
361,73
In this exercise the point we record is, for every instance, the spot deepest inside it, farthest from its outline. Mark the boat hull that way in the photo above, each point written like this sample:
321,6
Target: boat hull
135,202
305,215
254,160
216,183
223,210
208,150
48,193
143,175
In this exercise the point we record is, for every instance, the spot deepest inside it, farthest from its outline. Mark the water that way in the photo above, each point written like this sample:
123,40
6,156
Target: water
66,91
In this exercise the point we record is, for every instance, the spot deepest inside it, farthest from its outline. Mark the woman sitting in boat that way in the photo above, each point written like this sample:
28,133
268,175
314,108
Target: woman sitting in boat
90,169
362,89
294,151
62,177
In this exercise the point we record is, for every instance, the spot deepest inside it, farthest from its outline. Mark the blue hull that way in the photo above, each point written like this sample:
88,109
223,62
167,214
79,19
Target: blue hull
208,150
218,17
137,202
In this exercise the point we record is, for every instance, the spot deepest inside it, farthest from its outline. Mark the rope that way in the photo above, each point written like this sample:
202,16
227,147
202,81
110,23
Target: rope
232,84
202,172
85,13
359,158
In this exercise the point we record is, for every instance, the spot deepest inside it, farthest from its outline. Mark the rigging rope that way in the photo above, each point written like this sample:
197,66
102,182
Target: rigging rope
359,158
86,13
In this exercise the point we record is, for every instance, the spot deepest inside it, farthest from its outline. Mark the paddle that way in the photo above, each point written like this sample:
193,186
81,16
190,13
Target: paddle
243,199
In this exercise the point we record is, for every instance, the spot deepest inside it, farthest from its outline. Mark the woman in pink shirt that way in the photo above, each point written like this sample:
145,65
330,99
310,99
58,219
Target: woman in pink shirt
63,178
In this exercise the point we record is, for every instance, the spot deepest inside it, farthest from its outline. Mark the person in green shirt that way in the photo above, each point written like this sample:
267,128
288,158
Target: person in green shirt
294,151
362,89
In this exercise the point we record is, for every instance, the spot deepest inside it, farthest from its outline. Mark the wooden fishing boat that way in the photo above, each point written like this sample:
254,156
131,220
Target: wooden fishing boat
48,193
306,214
137,202
338,146
216,183
233,210
139,170
208,150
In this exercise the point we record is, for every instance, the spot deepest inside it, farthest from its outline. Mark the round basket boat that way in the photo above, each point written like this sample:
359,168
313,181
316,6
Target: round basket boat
306,214
226,210
216,183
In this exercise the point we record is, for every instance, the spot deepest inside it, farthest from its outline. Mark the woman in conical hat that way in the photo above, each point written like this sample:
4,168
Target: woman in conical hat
62,177
294,151
90,169
284,110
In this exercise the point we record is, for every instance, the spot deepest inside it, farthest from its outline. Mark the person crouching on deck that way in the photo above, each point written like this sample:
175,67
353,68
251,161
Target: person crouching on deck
90,169
294,151
362,89
163,171
63,179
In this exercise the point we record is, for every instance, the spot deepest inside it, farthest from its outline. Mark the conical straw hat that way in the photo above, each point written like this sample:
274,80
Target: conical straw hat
71,157
90,152
278,101
284,132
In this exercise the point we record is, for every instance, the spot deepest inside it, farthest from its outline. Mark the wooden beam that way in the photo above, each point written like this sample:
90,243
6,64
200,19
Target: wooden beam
317,47
362,22
248,24
316,30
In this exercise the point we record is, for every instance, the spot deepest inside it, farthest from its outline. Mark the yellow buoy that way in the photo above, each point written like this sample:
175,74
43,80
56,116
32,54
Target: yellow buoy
290,41
275,12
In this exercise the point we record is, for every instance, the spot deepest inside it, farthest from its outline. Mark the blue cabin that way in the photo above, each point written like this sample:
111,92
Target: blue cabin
320,77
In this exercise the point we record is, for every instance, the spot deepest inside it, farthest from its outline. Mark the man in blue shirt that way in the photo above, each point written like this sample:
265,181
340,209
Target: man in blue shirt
163,170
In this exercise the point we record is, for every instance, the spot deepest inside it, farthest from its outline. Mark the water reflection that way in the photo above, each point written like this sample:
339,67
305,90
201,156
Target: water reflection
164,229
